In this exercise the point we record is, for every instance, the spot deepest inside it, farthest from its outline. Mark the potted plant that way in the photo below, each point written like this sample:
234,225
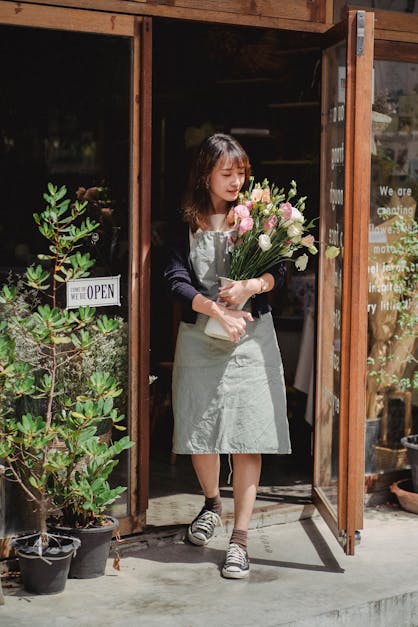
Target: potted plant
49,431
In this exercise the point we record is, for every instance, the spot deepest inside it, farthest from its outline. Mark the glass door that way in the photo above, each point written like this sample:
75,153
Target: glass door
342,282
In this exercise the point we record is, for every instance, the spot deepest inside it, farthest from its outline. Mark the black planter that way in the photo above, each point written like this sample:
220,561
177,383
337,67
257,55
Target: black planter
91,558
46,573
410,442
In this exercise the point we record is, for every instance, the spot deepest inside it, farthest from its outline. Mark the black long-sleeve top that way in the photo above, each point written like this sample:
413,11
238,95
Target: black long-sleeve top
182,282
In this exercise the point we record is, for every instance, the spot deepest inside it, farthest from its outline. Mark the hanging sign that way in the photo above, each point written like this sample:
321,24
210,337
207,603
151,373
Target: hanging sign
101,291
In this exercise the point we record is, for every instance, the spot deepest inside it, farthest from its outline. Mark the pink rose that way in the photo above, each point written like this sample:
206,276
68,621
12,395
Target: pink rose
270,223
286,207
256,194
246,224
241,211
307,241
249,204
265,196
230,218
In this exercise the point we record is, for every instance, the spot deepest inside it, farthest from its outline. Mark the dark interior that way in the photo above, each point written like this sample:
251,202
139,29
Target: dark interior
262,86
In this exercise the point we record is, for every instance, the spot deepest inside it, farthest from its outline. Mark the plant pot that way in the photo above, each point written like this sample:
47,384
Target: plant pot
46,573
408,499
91,558
214,328
410,442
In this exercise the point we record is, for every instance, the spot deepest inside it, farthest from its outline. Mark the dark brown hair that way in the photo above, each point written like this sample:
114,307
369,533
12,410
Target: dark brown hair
196,207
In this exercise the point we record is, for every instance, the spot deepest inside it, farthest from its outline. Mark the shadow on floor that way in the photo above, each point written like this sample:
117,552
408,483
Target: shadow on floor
182,552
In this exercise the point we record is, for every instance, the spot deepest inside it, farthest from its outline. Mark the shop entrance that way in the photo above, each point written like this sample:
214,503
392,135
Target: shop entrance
263,87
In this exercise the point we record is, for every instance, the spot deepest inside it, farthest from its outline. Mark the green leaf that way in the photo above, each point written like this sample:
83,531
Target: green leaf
61,339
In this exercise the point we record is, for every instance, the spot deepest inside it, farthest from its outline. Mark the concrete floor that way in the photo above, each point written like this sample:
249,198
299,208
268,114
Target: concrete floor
299,577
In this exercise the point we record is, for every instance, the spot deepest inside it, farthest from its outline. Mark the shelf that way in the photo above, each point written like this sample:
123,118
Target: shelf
294,105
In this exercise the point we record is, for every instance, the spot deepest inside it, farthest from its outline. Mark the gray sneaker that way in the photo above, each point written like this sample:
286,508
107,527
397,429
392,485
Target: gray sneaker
203,526
236,565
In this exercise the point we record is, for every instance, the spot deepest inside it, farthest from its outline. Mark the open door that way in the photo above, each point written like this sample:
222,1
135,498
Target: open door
342,283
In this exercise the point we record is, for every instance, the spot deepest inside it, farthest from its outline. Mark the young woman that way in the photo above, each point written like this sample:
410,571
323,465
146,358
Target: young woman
228,396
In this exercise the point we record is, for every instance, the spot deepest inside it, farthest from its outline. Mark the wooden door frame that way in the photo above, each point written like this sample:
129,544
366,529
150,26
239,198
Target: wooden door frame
139,31
140,236
297,15
353,351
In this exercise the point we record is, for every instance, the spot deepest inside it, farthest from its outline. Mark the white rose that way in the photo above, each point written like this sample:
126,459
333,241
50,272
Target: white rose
295,230
301,262
331,252
264,242
297,215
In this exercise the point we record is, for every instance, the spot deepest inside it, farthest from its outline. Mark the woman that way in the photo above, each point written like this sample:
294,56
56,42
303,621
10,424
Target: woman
228,396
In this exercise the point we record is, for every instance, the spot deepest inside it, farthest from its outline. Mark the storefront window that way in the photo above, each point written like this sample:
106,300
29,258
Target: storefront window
64,111
393,267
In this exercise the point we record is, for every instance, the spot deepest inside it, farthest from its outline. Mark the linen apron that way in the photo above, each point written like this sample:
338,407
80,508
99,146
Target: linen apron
227,397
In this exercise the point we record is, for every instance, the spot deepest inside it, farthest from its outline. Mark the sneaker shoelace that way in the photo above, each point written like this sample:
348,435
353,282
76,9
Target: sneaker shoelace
206,522
236,555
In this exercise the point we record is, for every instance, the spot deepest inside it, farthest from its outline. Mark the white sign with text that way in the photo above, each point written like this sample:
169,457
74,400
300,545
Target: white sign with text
101,291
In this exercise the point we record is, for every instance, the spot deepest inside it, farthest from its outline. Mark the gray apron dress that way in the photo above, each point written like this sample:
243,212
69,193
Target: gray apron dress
227,397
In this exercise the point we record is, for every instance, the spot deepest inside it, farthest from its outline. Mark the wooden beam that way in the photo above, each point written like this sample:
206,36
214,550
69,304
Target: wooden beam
405,52
34,15
395,21
355,284
145,92
301,15
396,36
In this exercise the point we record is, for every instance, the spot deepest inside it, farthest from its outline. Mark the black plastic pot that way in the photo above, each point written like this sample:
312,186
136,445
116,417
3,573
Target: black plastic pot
91,558
46,573
410,442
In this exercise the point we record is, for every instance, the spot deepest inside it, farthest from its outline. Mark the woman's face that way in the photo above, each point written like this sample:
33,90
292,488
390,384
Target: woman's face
225,182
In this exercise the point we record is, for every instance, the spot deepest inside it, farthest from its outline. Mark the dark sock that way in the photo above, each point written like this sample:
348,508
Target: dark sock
239,536
214,504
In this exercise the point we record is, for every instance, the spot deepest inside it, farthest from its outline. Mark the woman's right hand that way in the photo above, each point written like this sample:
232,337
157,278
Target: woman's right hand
234,321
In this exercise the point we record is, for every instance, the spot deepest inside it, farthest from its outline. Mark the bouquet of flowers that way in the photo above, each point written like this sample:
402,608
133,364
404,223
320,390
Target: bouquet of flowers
267,229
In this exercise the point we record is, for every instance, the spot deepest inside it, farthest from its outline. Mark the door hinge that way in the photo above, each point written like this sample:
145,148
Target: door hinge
361,23
342,538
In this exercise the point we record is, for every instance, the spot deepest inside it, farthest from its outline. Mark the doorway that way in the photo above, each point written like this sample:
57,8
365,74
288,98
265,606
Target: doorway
263,87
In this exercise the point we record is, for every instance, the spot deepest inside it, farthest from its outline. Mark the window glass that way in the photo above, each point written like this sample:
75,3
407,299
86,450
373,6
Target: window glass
393,267
64,118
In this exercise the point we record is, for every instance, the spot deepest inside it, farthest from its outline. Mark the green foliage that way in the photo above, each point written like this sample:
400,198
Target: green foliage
56,401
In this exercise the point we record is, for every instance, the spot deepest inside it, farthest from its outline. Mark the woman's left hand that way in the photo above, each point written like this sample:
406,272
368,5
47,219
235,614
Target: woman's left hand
238,292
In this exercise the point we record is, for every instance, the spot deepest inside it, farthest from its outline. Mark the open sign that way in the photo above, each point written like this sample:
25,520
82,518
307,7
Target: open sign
93,292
